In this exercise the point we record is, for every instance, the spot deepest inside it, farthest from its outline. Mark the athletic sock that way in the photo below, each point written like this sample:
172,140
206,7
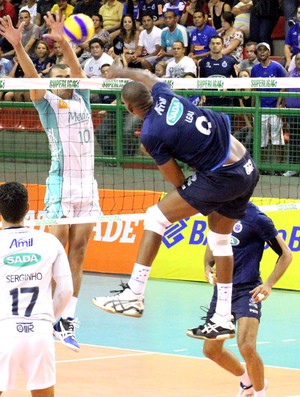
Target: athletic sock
245,379
70,309
139,278
261,393
223,307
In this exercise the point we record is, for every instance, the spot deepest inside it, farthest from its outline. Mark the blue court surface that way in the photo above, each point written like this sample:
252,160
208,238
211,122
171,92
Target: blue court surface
171,307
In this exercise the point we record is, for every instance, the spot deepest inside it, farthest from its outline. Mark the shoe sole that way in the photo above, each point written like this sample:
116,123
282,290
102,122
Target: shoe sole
219,337
135,313
71,347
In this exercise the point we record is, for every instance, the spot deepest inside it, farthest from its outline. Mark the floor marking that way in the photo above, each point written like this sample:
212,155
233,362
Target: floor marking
263,343
289,340
104,357
180,350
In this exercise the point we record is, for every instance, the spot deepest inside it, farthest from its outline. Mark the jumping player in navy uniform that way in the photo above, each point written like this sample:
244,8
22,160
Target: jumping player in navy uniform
248,240
174,129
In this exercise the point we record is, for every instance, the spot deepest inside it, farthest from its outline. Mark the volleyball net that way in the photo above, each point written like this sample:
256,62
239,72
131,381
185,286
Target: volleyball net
128,180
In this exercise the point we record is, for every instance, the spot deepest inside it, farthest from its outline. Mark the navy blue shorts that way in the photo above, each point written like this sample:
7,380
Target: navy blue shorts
226,190
242,305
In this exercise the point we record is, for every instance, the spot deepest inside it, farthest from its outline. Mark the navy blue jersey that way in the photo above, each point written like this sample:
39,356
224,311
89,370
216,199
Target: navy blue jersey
223,67
175,128
274,69
248,240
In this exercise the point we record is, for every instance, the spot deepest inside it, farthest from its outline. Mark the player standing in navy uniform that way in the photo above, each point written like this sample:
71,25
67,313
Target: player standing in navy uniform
225,177
248,240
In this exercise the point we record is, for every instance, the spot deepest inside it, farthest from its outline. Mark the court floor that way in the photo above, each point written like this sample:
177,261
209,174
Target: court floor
152,356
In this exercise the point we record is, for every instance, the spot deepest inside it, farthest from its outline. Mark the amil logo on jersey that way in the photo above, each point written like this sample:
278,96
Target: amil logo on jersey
19,243
22,259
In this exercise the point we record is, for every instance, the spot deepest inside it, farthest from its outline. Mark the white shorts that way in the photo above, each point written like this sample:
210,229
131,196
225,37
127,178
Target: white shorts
71,198
271,124
29,345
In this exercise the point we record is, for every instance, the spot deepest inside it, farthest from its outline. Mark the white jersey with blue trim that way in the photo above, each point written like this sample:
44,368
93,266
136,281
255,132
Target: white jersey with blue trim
29,259
68,125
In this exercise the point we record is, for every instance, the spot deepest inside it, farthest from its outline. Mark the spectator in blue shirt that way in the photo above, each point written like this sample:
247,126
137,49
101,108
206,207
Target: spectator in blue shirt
267,68
201,36
292,42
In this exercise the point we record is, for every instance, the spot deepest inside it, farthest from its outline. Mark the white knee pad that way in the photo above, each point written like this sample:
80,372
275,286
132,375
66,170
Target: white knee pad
155,221
219,244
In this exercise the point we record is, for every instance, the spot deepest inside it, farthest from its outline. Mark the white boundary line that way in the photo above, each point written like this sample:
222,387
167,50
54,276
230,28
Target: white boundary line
144,352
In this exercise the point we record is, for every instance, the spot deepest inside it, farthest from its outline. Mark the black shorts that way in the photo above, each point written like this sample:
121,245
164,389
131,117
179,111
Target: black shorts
242,305
226,190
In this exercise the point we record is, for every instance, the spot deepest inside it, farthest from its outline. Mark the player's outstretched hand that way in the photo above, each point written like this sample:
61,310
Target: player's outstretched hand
56,26
9,32
114,70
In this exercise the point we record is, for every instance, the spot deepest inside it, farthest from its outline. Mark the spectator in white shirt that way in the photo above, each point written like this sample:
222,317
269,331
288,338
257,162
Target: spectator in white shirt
92,66
149,44
180,64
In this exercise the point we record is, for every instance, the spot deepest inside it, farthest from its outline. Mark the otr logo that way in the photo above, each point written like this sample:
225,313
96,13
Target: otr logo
25,327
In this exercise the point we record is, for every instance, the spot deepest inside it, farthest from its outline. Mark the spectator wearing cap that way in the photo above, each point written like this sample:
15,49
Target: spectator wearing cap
292,42
264,69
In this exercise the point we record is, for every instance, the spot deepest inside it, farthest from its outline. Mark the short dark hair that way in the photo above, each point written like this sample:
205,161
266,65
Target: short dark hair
96,40
216,37
13,201
60,66
147,14
228,17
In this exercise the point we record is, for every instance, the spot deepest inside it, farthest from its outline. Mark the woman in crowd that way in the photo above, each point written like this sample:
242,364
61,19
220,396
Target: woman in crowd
233,38
216,9
129,35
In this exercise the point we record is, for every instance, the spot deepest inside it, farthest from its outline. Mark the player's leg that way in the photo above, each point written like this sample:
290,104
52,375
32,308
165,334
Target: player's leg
215,351
129,301
64,329
247,335
49,392
277,138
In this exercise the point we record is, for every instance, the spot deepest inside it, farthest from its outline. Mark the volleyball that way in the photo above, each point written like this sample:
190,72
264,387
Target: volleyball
78,28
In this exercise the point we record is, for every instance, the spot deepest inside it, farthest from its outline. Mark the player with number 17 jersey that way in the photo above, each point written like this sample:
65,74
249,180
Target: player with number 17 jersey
29,259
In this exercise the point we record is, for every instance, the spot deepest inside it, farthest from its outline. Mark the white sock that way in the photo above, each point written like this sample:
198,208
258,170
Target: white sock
223,307
139,278
245,379
261,393
70,309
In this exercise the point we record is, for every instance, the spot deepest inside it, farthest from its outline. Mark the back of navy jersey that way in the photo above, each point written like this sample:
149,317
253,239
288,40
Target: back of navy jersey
175,128
248,240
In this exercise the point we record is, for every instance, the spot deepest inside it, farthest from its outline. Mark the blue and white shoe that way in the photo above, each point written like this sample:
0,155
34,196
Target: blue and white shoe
64,331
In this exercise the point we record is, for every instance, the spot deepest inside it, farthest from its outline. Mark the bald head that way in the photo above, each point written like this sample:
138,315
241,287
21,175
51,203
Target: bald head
137,95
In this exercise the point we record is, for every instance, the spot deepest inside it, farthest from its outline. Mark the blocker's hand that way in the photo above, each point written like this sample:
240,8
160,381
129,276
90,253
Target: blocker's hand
8,31
114,71
56,26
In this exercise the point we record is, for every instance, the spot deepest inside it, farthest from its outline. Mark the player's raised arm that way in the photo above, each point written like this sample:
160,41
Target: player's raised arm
143,76
14,37
56,34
